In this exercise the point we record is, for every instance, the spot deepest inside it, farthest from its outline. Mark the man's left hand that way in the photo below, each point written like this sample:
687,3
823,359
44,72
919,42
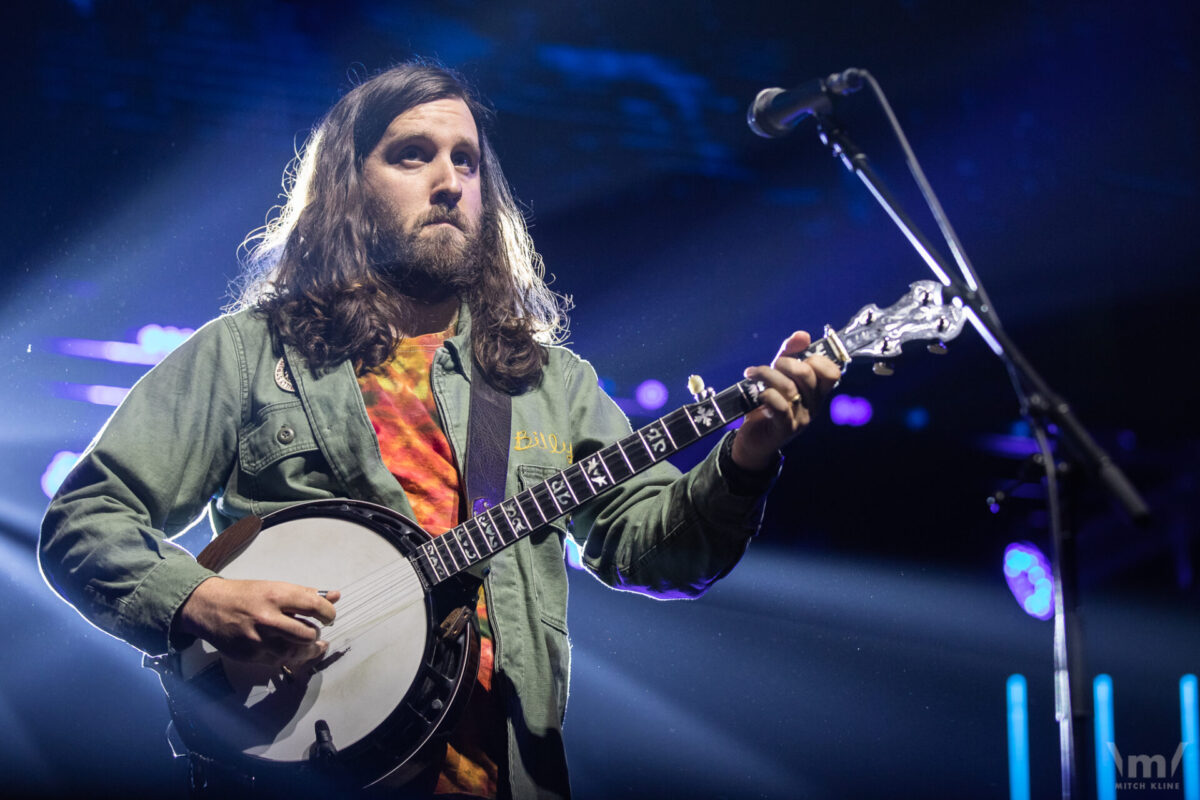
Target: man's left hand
795,390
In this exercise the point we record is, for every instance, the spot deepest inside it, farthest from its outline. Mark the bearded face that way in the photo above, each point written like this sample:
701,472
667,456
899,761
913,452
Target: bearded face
439,256
424,196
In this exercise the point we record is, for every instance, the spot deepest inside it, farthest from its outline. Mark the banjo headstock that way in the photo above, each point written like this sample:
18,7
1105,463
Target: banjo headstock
920,315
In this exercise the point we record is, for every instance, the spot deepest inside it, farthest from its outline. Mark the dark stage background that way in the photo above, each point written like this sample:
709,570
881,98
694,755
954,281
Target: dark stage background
862,648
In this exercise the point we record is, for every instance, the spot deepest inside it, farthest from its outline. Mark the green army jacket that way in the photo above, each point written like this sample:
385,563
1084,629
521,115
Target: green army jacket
214,424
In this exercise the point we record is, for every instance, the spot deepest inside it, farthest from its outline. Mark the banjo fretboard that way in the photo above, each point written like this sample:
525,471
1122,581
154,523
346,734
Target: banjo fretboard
498,527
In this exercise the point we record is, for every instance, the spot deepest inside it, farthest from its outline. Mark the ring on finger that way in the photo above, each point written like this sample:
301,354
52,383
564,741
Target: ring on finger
798,400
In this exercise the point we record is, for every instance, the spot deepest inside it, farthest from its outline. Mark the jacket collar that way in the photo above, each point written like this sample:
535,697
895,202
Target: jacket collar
459,345
334,405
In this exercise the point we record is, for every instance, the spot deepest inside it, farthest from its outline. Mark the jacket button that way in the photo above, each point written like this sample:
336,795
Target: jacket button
285,435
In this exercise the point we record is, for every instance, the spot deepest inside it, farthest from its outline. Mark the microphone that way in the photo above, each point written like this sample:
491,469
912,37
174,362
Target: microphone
776,112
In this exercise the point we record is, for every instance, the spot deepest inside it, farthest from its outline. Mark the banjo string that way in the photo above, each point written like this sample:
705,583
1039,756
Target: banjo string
371,599
348,634
360,595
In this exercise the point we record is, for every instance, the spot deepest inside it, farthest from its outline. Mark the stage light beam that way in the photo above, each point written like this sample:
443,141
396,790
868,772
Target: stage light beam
152,343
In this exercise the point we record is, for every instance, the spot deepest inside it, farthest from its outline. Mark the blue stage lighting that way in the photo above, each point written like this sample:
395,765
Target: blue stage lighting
1017,443
1190,729
1105,734
848,410
651,395
1018,738
572,554
916,418
1030,579
56,471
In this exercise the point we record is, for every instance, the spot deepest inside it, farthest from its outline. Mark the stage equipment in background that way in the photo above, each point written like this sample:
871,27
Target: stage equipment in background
774,113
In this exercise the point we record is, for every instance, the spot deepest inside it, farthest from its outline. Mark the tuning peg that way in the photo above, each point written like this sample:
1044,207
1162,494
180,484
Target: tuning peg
937,348
699,391
882,368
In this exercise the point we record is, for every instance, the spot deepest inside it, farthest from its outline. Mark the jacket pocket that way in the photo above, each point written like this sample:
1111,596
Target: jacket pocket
282,430
280,461
548,556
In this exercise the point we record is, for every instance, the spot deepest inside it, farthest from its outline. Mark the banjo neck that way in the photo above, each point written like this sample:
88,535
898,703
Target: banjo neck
502,525
921,314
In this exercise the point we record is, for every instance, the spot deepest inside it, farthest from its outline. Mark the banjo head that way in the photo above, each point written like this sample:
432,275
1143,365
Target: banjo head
371,688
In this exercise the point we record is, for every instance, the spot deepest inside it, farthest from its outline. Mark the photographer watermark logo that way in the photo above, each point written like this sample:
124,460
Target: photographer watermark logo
1146,772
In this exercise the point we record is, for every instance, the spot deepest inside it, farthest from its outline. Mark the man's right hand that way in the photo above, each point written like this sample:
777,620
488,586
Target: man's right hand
258,621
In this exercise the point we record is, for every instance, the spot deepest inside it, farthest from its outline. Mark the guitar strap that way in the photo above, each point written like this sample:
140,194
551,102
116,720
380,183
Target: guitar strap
488,425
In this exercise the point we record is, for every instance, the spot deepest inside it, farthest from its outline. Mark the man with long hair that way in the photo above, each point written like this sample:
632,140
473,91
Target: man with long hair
399,272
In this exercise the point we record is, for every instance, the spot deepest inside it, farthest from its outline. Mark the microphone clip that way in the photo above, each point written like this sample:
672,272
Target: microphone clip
776,112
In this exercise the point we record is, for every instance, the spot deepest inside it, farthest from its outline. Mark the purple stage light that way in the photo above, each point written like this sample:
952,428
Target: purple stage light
91,393
1030,579
1009,446
152,344
848,410
651,395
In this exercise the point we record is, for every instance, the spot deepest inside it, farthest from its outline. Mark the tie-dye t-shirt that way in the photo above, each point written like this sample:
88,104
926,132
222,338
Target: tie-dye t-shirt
402,409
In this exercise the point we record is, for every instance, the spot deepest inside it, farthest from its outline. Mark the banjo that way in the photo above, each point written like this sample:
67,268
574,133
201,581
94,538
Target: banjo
404,650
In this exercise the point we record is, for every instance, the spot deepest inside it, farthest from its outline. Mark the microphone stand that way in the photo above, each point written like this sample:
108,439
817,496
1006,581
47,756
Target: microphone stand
1043,407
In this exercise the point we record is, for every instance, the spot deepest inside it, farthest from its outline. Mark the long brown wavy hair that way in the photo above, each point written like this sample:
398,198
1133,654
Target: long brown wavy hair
308,269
